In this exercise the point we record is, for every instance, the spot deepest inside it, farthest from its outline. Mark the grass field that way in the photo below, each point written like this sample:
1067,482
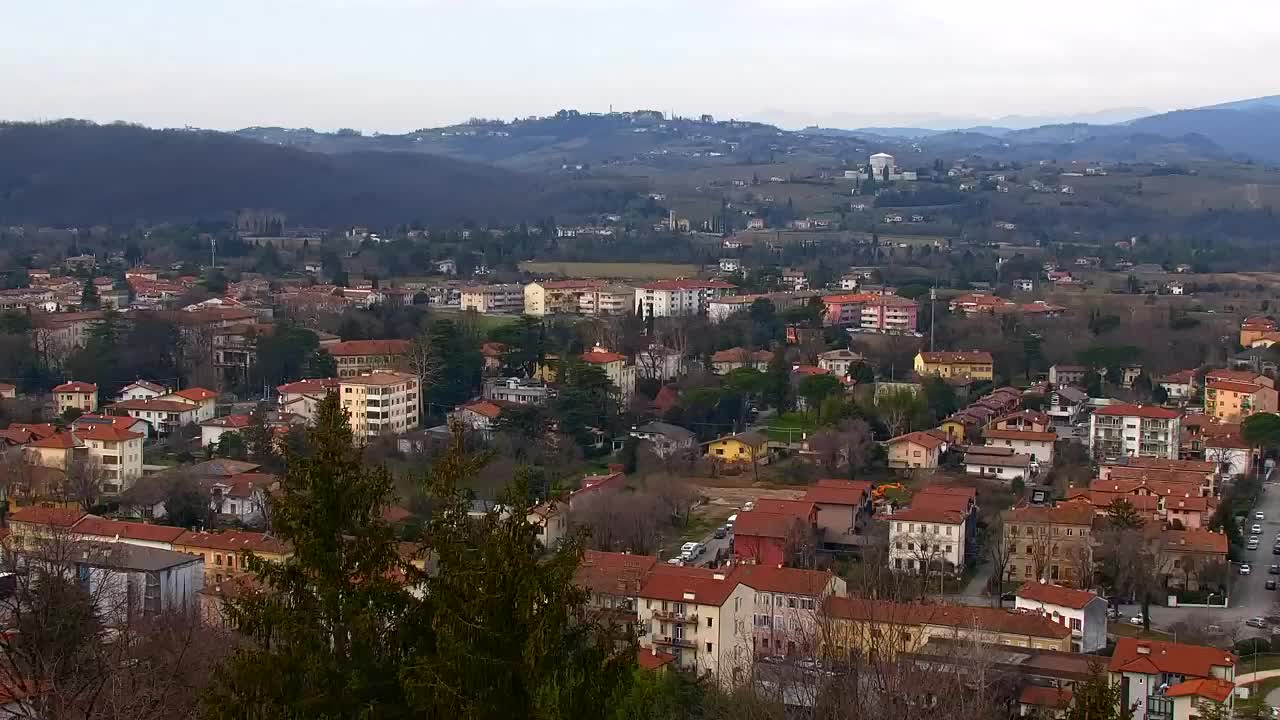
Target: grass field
486,322
619,270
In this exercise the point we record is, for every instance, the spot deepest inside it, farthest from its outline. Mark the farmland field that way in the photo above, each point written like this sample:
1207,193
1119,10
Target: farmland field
619,270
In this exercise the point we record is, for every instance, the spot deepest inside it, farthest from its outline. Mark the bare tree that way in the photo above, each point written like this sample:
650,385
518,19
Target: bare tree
84,481
424,363
675,496
998,552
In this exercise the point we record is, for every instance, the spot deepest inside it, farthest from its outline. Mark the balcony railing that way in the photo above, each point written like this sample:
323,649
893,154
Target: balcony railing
675,642
670,616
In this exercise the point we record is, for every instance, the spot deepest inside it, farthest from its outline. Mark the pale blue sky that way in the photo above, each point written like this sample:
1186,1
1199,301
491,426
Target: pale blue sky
394,65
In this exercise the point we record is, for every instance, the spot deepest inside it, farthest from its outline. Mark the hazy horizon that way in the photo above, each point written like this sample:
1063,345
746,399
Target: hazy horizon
398,65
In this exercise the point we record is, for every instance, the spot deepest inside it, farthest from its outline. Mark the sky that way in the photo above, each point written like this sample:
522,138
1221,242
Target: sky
398,65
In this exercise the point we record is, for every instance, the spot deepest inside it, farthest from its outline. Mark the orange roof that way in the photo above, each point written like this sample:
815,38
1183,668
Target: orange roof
1211,688
1062,514
653,659
170,406
102,527
930,514
75,386
57,517
1051,594
484,408
569,284
799,508
1028,435
229,421
954,616
703,586
196,394
1041,696
609,573
60,441
1156,656
809,370
1154,412
1181,377
777,579
1247,376
38,429
600,357
123,422
238,541
308,387
758,523
741,355
106,433
919,438
1195,540
1203,466
838,492
351,348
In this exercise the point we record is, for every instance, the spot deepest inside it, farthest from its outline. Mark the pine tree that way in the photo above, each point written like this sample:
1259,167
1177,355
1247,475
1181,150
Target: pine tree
89,299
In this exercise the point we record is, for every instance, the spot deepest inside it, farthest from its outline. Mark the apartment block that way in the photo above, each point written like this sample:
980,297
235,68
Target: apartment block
1120,431
379,403
486,299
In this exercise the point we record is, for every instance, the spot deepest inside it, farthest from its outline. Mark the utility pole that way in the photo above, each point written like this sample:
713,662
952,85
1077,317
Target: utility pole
213,252
933,296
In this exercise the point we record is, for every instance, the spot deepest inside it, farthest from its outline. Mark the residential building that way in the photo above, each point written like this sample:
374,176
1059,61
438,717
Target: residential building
608,300
723,361
839,362
1051,542
613,581
976,364
776,533
223,553
76,395
141,390
486,299
1038,445
915,450
480,416
659,363
102,530
1067,374
1257,328
871,312
1084,612
382,402
976,302
862,624
301,397
164,416
211,431
666,439
8,391
1001,463
620,371
927,540
1259,359
355,357
668,298
1065,403
1123,430
517,391
701,617
1169,680
843,508
1179,385
126,581
1024,420
784,617
117,421
118,452
747,447
556,297
1185,554
204,401
1230,398
240,498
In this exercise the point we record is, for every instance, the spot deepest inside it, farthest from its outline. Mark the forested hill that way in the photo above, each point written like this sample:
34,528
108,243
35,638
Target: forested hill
71,173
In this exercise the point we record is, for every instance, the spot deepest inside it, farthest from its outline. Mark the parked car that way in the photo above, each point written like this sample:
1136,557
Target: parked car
1256,529
1245,569
1257,622
1137,619
1273,570
1113,612
1259,516
1271,584
720,532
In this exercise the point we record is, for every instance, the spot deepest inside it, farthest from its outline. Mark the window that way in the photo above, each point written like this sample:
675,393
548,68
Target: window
708,647
151,595
791,602
949,529
708,622
217,559
948,550
1075,624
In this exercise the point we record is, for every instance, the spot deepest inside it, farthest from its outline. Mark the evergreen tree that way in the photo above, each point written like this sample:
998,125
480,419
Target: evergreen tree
89,299
777,385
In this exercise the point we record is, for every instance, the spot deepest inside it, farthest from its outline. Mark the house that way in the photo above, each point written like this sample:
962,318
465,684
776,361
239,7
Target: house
976,302
1024,420
1168,680
839,362
205,401
927,540
480,416
211,431
1183,554
1024,285
795,279
223,553
1174,288
517,391
784,617
699,616
776,532
1084,612
1255,328
1065,403
620,371
1039,445
1051,542
76,395
722,361
355,357
1067,374
843,507
301,397
915,450
659,363
97,529
141,390
976,364
731,265
668,298
130,424
164,416
1229,397
1002,463
667,439
552,517
1179,385
1234,456
241,498
613,580
1259,360
747,447
860,624
1125,430
116,451
487,299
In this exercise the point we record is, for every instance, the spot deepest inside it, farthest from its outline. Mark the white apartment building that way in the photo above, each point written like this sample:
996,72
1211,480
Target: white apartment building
613,300
701,616
668,298
381,402
1123,430
838,362
117,452
922,538
486,299
784,614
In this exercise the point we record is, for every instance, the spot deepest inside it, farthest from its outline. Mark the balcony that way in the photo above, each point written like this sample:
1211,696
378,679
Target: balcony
675,617
675,642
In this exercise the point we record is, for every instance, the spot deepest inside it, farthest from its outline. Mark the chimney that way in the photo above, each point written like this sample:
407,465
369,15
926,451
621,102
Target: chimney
654,648
1144,649
717,576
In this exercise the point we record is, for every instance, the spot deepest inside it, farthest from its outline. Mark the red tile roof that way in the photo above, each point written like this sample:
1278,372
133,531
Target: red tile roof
484,408
167,406
704,586
1153,412
57,517
608,573
1202,466
75,386
37,429
1027,435
954,616
102,527
196,394
1195,540
309,387
653,659
1211,688
1051,594
1061,514
237,541
106,433
351,348
792,581
1156,656
741,355
229,421
919,438
757,523
600,357
1049,697
929,514
838,492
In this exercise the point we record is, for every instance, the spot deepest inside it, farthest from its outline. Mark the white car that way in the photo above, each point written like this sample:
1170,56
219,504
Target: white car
1256,529
1137,619
1259,516
1245,569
